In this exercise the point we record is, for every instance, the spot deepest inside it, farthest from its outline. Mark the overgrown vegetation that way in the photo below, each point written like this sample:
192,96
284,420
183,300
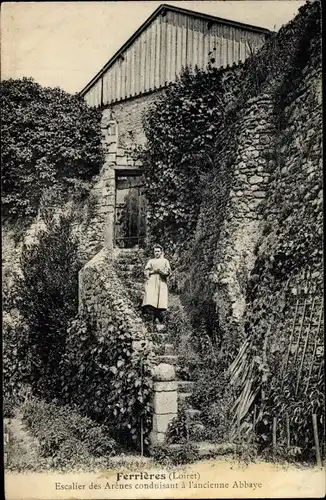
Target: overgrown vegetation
181,129
65,435
189,164
57,438
48,300
48,138
103,372
292,239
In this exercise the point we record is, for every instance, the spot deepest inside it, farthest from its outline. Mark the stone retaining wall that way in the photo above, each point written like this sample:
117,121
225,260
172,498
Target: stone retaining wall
242,227
98,277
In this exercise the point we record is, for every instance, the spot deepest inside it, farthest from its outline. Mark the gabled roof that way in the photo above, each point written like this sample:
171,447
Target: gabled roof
160,10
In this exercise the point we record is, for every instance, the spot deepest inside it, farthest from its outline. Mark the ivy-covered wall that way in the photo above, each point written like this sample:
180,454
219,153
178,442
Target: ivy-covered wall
265,189
107,358
284,315
256,255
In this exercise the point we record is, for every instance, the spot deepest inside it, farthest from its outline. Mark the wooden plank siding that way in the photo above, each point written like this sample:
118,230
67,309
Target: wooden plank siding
169,43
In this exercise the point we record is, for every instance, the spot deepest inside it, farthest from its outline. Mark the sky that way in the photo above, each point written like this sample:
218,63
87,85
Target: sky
64,44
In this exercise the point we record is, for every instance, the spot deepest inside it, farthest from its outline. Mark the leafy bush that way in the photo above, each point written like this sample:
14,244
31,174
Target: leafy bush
178,429
182,454
102,371
48,300
66,436
48,138
15,361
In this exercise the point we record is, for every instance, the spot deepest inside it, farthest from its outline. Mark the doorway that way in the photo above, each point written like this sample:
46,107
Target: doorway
130,210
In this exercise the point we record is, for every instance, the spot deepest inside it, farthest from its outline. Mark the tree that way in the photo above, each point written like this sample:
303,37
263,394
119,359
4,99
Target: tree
48,290
48,138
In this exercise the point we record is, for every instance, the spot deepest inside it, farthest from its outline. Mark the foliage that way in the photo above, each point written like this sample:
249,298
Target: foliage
104,372
66,437
48,295
212,394
183,453
48,138
15,361
181,129
178,429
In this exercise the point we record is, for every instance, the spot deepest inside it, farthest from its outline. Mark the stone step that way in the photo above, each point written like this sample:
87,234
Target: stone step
185,386
121,266
206,449
170,359
127,261
184,396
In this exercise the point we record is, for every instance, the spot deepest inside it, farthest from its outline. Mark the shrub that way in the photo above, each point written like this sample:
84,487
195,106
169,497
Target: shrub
182,454
66,436
48,138
48,292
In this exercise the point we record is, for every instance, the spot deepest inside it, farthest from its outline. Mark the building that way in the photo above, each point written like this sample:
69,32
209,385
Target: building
153,57
170,39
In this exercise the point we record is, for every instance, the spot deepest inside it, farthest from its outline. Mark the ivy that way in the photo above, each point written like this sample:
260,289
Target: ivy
181,129
104,373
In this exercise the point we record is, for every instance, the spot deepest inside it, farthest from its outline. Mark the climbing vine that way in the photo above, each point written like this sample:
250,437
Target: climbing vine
181,129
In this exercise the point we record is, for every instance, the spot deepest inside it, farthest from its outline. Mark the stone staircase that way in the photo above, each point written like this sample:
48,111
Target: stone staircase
129,266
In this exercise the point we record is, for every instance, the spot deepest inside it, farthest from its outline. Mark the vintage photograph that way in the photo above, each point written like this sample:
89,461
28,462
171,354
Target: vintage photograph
162,240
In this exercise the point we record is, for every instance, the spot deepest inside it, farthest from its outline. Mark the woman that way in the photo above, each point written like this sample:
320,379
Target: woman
156,291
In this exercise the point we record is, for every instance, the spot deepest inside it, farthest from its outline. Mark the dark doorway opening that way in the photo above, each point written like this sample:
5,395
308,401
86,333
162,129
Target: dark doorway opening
130,210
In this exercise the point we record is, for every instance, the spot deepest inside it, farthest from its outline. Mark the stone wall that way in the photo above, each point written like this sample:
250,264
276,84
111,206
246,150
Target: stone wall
96,279
243,224
128,114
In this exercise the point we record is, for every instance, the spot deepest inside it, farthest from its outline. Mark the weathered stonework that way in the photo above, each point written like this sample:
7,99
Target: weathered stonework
165,401
99,231
243,225
96,278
